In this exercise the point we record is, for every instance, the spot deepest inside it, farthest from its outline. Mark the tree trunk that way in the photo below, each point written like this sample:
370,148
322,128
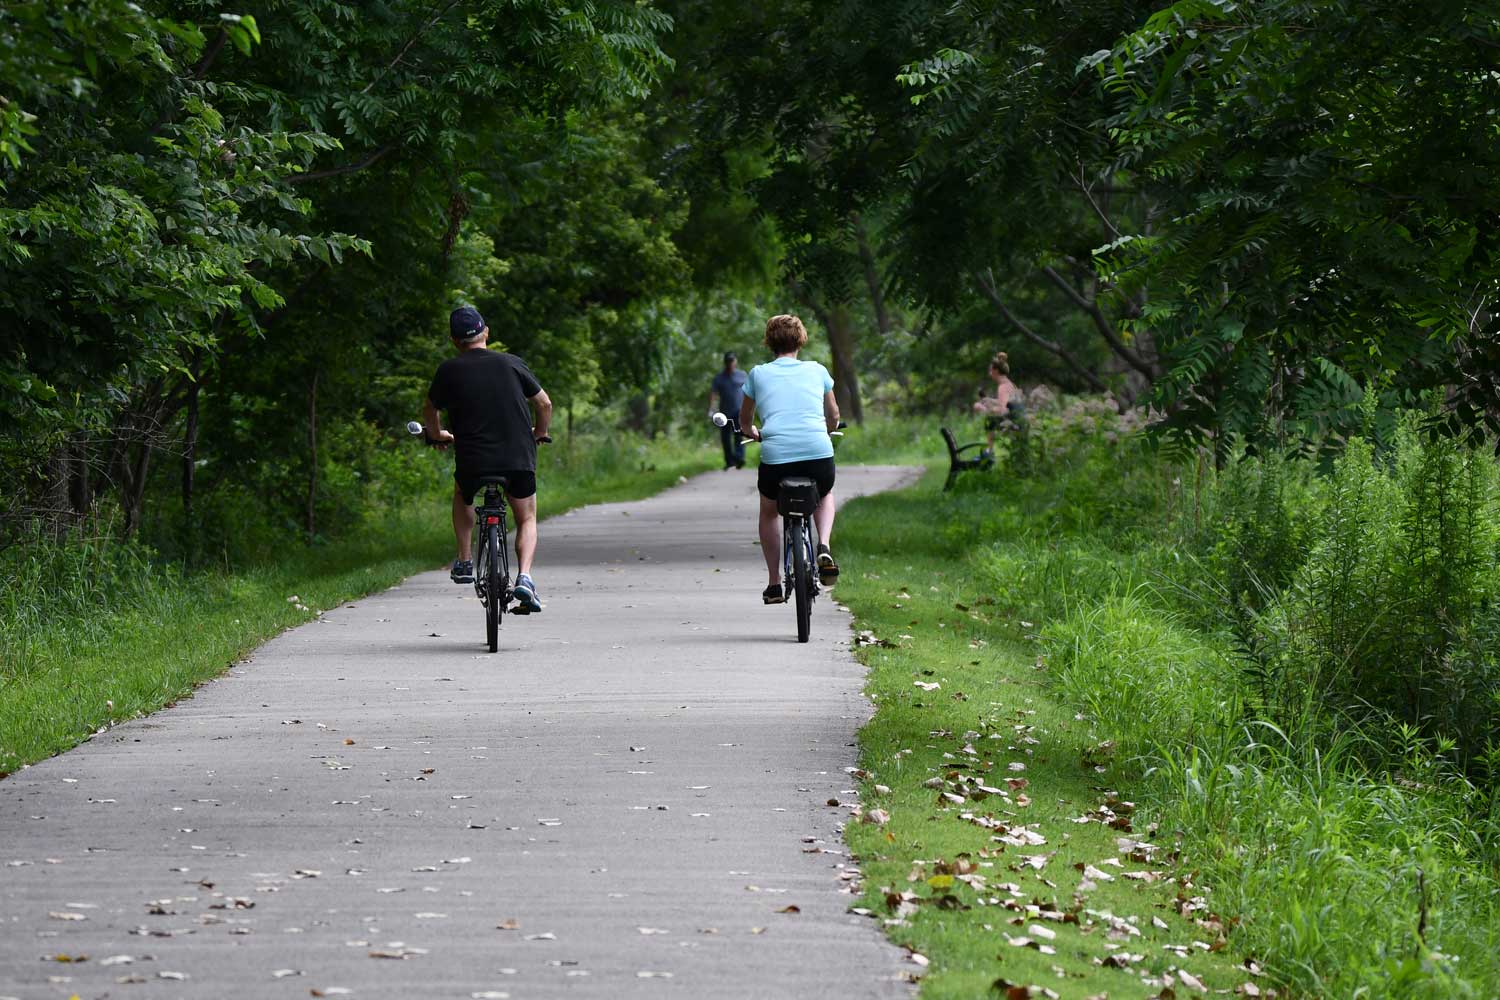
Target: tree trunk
840,323
133,485
312,447
872,278
190,435
638,413
80,484
59,467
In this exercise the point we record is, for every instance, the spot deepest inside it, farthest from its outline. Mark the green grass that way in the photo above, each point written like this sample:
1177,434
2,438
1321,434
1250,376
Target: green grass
1348,861
917,580
79,652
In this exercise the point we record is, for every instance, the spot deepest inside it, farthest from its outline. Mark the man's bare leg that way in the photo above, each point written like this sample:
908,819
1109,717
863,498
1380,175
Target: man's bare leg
525,512
770,538
463,525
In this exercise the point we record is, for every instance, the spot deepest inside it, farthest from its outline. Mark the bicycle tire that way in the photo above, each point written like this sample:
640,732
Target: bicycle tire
801,579
492,587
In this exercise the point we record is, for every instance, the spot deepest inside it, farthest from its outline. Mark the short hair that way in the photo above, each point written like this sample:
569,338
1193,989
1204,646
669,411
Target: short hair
785,333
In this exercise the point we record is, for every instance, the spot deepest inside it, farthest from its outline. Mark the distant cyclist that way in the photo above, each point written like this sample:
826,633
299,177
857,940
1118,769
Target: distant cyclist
498,410
798,412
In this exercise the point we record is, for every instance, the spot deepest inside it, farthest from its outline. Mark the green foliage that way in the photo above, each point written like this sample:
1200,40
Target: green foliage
1350,833
1329,167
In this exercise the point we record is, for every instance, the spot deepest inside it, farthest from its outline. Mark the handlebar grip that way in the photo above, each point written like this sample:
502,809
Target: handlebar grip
544,439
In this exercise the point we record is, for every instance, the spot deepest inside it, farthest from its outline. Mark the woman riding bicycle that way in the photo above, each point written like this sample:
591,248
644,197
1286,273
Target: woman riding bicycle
797,408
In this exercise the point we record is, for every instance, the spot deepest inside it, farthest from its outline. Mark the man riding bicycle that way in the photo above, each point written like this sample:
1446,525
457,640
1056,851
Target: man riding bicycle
798,413
498,411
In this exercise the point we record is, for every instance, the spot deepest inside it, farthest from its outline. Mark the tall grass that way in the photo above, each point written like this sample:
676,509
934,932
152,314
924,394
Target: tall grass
1296,664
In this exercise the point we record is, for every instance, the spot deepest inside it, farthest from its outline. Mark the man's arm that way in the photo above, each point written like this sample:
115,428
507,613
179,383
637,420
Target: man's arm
712,409
830,411
432,424
541,410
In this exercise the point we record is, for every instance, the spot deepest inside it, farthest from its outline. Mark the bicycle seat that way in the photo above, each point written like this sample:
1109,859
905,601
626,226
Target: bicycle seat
797,495
493,481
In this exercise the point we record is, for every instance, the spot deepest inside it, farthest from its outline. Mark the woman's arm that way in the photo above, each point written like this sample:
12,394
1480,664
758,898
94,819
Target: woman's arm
747,416
830,411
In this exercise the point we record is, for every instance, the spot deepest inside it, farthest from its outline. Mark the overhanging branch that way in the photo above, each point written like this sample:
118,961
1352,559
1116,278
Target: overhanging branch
1106,328
348,168
986,282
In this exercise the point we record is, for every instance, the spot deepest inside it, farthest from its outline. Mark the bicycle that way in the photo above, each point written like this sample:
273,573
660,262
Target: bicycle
492,582
797,499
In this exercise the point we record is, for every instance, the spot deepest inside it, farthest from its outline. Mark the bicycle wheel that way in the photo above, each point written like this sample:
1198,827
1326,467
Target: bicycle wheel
492,586
801,578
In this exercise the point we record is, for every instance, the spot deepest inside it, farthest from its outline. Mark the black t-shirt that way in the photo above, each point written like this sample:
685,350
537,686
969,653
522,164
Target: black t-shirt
485,393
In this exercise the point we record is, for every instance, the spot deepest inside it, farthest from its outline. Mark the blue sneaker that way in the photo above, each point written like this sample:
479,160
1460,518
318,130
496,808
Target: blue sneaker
525,594
462,571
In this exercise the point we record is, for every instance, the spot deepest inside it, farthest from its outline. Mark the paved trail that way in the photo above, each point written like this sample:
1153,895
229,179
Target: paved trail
620,803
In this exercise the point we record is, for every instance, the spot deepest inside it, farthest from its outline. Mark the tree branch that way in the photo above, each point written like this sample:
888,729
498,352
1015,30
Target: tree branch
407,47
209,55
348,168
986,282
1106,328
1099,211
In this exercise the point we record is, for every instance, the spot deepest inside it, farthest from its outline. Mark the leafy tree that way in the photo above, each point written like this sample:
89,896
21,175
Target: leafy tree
144,209
1014,184
1337,171
182,189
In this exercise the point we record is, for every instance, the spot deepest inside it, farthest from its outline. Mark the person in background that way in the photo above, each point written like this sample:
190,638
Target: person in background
729,387
798,415
1006,409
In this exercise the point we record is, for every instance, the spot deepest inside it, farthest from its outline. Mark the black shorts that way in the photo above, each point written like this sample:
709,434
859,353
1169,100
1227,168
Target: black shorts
521,483
819,470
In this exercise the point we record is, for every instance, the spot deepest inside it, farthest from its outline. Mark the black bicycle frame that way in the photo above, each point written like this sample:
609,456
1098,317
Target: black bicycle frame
491,511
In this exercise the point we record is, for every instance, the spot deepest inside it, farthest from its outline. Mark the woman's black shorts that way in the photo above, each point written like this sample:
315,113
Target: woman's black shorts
819,470
521,483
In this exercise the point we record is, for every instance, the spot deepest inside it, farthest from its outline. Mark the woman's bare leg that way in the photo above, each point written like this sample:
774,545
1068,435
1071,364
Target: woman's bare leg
823,517
770,538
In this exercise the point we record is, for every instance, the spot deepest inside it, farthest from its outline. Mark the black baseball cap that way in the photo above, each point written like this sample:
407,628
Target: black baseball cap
465,323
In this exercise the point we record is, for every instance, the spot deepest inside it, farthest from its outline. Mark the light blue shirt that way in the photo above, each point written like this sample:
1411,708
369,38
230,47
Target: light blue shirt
788,398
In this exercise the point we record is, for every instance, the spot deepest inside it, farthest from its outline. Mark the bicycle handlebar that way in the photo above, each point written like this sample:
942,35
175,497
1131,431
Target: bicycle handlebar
414,427
721,420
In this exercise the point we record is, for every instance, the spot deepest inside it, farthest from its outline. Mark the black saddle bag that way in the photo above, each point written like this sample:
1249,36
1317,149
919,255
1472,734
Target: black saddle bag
797,496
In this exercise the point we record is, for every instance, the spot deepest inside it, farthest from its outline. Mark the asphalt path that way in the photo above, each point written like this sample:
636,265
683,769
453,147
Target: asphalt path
629,799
